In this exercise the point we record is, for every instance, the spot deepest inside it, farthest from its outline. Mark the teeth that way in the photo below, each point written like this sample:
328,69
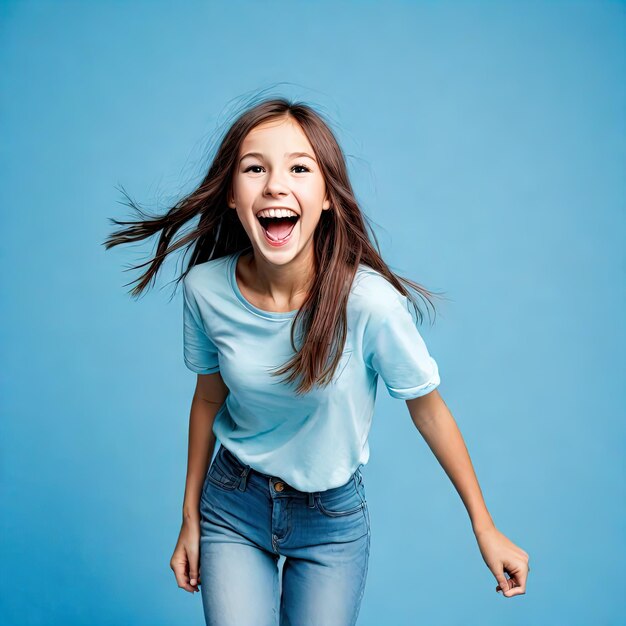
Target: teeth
276,213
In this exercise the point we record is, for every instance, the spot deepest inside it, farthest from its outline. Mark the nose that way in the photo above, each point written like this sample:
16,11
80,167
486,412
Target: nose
274,186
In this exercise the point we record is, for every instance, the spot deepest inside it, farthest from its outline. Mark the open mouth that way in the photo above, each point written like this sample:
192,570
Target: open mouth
278,229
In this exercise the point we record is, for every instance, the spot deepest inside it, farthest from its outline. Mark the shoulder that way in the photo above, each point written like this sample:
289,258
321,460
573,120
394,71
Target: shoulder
374,295
207,274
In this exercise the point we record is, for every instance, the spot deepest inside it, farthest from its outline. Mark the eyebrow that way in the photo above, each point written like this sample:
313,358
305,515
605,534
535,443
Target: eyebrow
292,154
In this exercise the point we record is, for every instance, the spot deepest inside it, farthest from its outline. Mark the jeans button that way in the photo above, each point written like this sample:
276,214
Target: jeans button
279,486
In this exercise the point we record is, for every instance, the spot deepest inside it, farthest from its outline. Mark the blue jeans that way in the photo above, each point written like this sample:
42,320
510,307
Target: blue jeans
249,519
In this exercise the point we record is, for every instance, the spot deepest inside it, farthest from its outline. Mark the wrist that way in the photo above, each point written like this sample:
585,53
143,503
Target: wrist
191,513
483,526
482,523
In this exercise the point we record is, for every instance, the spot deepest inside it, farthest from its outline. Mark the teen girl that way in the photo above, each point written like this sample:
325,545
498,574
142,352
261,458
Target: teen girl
284,280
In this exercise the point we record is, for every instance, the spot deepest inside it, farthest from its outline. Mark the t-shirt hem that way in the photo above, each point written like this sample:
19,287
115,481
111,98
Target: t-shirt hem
201,370
414,392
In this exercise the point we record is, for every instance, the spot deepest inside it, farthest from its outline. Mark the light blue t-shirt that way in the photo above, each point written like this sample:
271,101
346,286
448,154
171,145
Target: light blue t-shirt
317,440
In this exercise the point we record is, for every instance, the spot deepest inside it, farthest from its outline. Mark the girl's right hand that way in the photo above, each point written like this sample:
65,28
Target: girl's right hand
184,561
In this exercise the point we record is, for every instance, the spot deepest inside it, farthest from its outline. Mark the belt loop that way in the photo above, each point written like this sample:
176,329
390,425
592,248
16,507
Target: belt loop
244,478
311,500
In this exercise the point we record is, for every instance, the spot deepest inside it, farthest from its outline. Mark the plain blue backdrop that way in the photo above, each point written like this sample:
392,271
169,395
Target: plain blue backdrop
486,142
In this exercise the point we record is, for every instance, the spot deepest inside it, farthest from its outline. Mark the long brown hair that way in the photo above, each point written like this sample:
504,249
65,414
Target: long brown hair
341,241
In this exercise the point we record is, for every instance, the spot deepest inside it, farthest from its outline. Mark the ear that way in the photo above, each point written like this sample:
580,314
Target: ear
231,201
326,204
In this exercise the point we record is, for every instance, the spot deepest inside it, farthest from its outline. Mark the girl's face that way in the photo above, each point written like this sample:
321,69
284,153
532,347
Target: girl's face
278,168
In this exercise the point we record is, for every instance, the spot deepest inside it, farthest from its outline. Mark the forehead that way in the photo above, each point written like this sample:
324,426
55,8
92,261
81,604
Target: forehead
276,136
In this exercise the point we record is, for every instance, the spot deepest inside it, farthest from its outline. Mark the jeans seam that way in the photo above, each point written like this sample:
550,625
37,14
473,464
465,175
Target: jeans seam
365,568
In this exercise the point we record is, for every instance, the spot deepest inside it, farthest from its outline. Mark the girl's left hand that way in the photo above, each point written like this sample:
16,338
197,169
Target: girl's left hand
502,555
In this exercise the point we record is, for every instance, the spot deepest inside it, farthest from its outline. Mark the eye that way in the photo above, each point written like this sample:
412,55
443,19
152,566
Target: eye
250,167
303,167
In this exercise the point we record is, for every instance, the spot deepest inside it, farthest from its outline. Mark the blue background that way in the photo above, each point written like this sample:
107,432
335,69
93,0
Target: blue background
486,141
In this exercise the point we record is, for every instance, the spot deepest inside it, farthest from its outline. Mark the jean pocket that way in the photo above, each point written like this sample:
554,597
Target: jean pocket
343,500
223,472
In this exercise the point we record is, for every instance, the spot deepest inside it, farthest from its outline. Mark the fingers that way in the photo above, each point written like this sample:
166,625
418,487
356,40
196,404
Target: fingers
514,589
194,574
503,583
183,572
522,576
510,588
180,572
513,586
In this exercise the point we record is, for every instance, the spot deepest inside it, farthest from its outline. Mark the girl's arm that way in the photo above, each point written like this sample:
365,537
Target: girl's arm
434,421
436,424
208,397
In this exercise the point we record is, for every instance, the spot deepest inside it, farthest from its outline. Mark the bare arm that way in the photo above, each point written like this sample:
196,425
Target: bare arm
208,397
436,424
434,421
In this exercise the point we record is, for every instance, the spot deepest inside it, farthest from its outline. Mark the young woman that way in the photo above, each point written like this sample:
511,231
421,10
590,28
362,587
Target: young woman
284,280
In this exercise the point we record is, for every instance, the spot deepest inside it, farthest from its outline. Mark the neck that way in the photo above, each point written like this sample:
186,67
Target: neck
286,286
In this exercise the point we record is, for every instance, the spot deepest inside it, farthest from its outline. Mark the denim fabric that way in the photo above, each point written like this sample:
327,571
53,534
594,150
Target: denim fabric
249,519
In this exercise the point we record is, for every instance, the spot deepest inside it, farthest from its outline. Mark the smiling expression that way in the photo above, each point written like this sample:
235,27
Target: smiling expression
277,167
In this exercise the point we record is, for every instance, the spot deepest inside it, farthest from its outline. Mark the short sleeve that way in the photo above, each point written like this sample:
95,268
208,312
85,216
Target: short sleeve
200,353
394,348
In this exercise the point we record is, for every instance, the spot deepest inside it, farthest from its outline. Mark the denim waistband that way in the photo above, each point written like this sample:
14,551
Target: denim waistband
233,458
244,470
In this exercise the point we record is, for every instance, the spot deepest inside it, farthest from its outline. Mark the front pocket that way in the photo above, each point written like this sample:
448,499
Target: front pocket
221,476
330,513
344,500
